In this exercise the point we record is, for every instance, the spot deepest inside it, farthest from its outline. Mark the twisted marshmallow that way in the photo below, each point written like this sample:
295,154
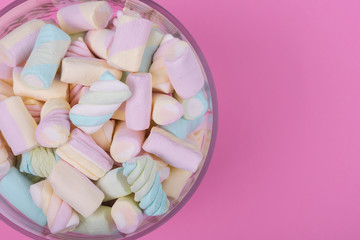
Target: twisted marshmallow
54,127
76,92
98,105
34,107
78,48
60,216
142,175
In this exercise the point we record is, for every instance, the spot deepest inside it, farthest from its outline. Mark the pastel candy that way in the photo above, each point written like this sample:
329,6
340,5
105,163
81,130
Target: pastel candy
99,41
97,106
43,63
78,48
152,45
85,155
199,135
75,189
166,109
176,182
16,46
76,92
56,90
161,166
38,162
85,71
60,216
15,187
6,158
126,143
34,107
195,106
54,128
5,90
84,16
5,72
103,137
128,46
127,215
184,69
163,144
138,107
114,185
183,127
98,223
17,125
120,113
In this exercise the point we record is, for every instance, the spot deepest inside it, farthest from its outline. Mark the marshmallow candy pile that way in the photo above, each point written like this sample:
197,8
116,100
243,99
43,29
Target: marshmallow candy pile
103,119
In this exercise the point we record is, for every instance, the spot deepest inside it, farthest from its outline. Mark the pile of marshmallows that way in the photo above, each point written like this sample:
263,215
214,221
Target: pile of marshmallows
105,117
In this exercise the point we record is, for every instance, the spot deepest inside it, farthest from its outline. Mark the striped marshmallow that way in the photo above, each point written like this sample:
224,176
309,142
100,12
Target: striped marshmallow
99,41
78,48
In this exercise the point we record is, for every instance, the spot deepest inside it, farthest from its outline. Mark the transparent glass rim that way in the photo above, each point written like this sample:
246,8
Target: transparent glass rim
211,148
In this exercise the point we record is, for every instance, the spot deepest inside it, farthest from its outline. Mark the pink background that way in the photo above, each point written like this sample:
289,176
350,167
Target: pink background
287,160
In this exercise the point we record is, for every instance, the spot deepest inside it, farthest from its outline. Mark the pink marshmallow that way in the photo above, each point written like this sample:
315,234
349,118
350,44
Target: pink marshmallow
99,41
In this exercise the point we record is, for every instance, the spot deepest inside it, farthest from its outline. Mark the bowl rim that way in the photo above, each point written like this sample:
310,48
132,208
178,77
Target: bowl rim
215,117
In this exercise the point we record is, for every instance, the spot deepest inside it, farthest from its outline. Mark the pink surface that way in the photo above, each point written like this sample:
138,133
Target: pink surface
287,160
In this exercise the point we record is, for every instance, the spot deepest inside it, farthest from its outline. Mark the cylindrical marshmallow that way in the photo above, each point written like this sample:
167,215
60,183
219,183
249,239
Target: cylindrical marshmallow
183,127
127,215
54,128
128,46
195,106
34,107
43,63
17,125
138,107
38,162
163,144
103,137
15,188
84,16
152,45
85,71
98,223
6,72
176,182
126,143
99,41
7,159
75,189
97,106
76,92
16,46
184,69
78,48
142,175
114,184
5,90
57,89
166,109
120,113
85,155
60,216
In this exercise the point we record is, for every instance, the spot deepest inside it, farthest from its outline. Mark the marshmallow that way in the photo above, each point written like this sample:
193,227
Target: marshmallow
128,46
17,125
126,143
161,166
199,135
56,90
60,216
138,107
103,137
98,223
16,46
114,184
38,162
84,16
14,187
176,182
174,151
76,92
7,159
183,127
142,175
99,41
43,63
85,71
195,106
5,72
34,107
78,48
152,45
127,215
5,90
85,155
75,189
166,109
97,106
120,113
54,128
184,69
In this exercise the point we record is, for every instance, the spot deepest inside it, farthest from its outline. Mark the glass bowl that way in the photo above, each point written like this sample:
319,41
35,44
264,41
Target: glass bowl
21,11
